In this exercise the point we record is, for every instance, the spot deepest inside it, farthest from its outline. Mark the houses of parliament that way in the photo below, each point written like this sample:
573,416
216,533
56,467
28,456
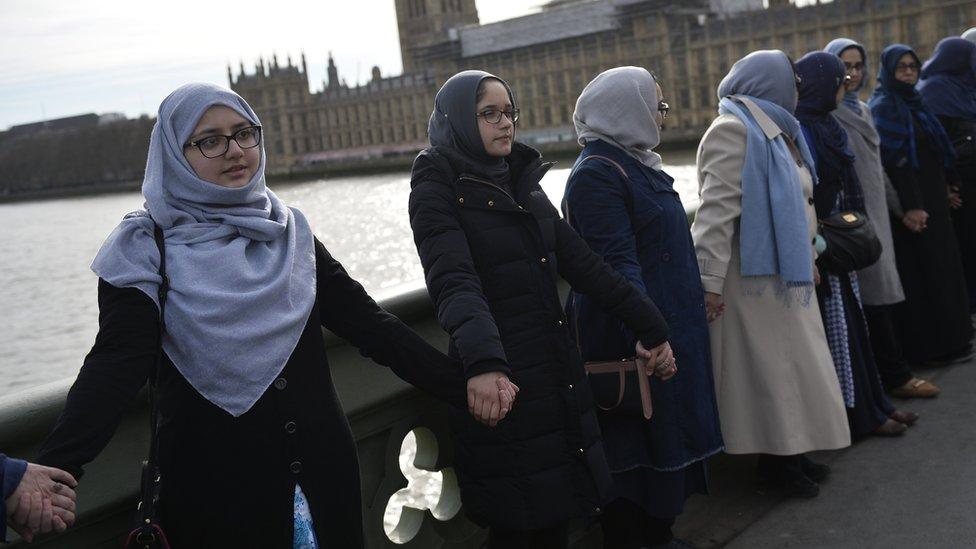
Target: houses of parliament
549,56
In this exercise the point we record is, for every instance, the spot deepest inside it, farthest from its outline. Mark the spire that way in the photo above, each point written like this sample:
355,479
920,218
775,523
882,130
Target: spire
230,75
304,64
333,73
289,60
242,67
274,60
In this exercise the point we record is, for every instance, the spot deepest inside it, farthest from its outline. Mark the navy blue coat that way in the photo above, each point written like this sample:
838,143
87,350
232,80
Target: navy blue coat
639,226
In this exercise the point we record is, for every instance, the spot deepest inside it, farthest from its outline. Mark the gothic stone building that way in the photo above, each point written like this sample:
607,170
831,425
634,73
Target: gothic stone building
549,56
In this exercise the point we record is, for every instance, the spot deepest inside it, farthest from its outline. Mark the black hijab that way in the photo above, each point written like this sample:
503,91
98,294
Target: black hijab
453,127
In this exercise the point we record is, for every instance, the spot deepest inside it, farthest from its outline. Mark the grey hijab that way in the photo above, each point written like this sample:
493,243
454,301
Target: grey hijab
453,123
619,107
241,264
970,34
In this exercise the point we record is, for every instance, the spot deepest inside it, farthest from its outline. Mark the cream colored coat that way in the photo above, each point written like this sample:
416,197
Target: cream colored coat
774,377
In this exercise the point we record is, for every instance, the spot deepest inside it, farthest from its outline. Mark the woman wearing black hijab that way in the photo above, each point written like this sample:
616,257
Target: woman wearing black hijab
493,247
933,323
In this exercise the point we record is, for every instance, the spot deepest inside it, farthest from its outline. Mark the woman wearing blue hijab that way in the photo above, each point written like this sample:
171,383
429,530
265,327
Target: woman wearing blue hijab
822,78
254,449
880,285
948,87
774,378
933,323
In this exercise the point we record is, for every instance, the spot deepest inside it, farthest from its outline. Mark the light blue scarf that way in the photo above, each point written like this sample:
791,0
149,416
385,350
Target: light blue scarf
241,264
773,237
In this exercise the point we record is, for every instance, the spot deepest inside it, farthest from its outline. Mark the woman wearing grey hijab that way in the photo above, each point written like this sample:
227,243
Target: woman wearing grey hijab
625,207
778,393
880,284
493,248
244,381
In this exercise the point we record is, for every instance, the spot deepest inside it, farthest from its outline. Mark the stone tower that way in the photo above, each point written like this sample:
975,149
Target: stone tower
425,26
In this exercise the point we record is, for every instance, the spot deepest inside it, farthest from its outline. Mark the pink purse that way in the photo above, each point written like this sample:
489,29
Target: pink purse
601,373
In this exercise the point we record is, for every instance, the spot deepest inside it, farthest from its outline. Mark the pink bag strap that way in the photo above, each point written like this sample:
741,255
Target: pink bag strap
622,367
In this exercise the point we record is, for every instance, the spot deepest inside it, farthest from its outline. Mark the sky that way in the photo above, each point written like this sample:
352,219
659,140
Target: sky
62,58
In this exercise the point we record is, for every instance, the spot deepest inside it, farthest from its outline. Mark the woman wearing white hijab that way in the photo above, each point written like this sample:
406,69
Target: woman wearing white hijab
778,394
624,206
254,449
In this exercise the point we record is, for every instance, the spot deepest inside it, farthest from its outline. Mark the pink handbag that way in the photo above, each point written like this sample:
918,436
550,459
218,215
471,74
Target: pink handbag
601,373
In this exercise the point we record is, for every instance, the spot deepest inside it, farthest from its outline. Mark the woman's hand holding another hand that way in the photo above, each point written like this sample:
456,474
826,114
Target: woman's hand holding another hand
658,361
491,396
714,306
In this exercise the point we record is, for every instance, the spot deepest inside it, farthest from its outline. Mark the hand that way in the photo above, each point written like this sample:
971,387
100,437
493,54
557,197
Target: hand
916,220
714,307
955,199
816,275
658,361
490,397
43,501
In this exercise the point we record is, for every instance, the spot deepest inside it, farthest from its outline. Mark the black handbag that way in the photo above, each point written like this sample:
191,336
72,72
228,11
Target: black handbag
851,243
148,534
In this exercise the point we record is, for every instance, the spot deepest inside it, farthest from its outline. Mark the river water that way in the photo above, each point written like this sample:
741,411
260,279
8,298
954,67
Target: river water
48,308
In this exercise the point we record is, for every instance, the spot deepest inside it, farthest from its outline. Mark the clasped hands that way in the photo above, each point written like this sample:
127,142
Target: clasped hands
44,501
658,361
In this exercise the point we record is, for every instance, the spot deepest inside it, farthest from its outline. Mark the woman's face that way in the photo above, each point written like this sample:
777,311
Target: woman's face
658,115
855,67
497,138
907,69
237,166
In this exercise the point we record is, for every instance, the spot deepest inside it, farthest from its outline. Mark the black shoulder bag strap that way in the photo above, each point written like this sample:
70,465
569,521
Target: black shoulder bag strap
148,534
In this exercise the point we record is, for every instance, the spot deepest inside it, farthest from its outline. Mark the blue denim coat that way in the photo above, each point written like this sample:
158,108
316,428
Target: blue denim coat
639,226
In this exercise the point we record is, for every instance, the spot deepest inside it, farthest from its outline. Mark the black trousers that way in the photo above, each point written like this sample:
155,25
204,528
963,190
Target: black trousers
556,537
626,526
888,356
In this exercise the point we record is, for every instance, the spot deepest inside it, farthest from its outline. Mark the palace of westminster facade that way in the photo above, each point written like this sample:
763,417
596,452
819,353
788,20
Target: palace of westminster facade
548,57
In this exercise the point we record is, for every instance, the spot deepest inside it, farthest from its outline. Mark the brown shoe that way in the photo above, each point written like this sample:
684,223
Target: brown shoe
916,388
907,418
891,428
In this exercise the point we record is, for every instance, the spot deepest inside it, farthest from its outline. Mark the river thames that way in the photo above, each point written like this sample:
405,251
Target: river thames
49,299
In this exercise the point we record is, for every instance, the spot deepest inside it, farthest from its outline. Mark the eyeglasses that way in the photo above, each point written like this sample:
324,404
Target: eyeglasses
494,116
859,67
213,146
907,67
664,109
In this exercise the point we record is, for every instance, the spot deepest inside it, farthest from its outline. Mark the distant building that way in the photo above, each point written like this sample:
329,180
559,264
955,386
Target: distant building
549,56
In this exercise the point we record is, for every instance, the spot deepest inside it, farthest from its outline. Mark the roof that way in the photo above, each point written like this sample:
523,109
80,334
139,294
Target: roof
557,23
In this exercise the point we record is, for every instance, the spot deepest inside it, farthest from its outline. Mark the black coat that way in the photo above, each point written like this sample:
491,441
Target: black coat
492,258
962,133
230,482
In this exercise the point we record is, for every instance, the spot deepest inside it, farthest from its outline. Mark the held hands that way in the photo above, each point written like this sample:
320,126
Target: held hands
916,220
658,361
714,306
43,501
491,396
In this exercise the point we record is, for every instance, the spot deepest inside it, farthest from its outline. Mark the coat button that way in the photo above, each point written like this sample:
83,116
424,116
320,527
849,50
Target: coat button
521,208
810,201
491,202
570,385
559,323
291,427
582,451
543,260
666,256
461,200
295,467
597,510
281,383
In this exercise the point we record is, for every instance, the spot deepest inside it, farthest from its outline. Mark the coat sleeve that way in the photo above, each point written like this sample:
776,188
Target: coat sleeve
596,206
587,273
114,371
721,156
452,280
349,312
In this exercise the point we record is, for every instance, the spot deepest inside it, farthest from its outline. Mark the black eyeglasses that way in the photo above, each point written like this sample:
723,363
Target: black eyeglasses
907,67
664,109
213,146
494,116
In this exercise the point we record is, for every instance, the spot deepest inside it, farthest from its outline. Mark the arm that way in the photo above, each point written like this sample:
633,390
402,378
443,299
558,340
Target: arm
452,280
720,159
114,370
348,311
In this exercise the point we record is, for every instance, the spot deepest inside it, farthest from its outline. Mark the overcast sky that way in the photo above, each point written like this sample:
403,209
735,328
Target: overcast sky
61,58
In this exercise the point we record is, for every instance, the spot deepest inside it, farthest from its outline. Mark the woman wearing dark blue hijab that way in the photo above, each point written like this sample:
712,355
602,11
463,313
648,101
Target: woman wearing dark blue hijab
822,77
933,323
948,87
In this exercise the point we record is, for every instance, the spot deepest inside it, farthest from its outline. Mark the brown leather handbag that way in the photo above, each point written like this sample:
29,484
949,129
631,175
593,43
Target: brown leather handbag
628,373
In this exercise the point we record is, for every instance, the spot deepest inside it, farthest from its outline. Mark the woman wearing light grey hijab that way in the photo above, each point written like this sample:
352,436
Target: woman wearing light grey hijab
254,449
970,34
621,202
